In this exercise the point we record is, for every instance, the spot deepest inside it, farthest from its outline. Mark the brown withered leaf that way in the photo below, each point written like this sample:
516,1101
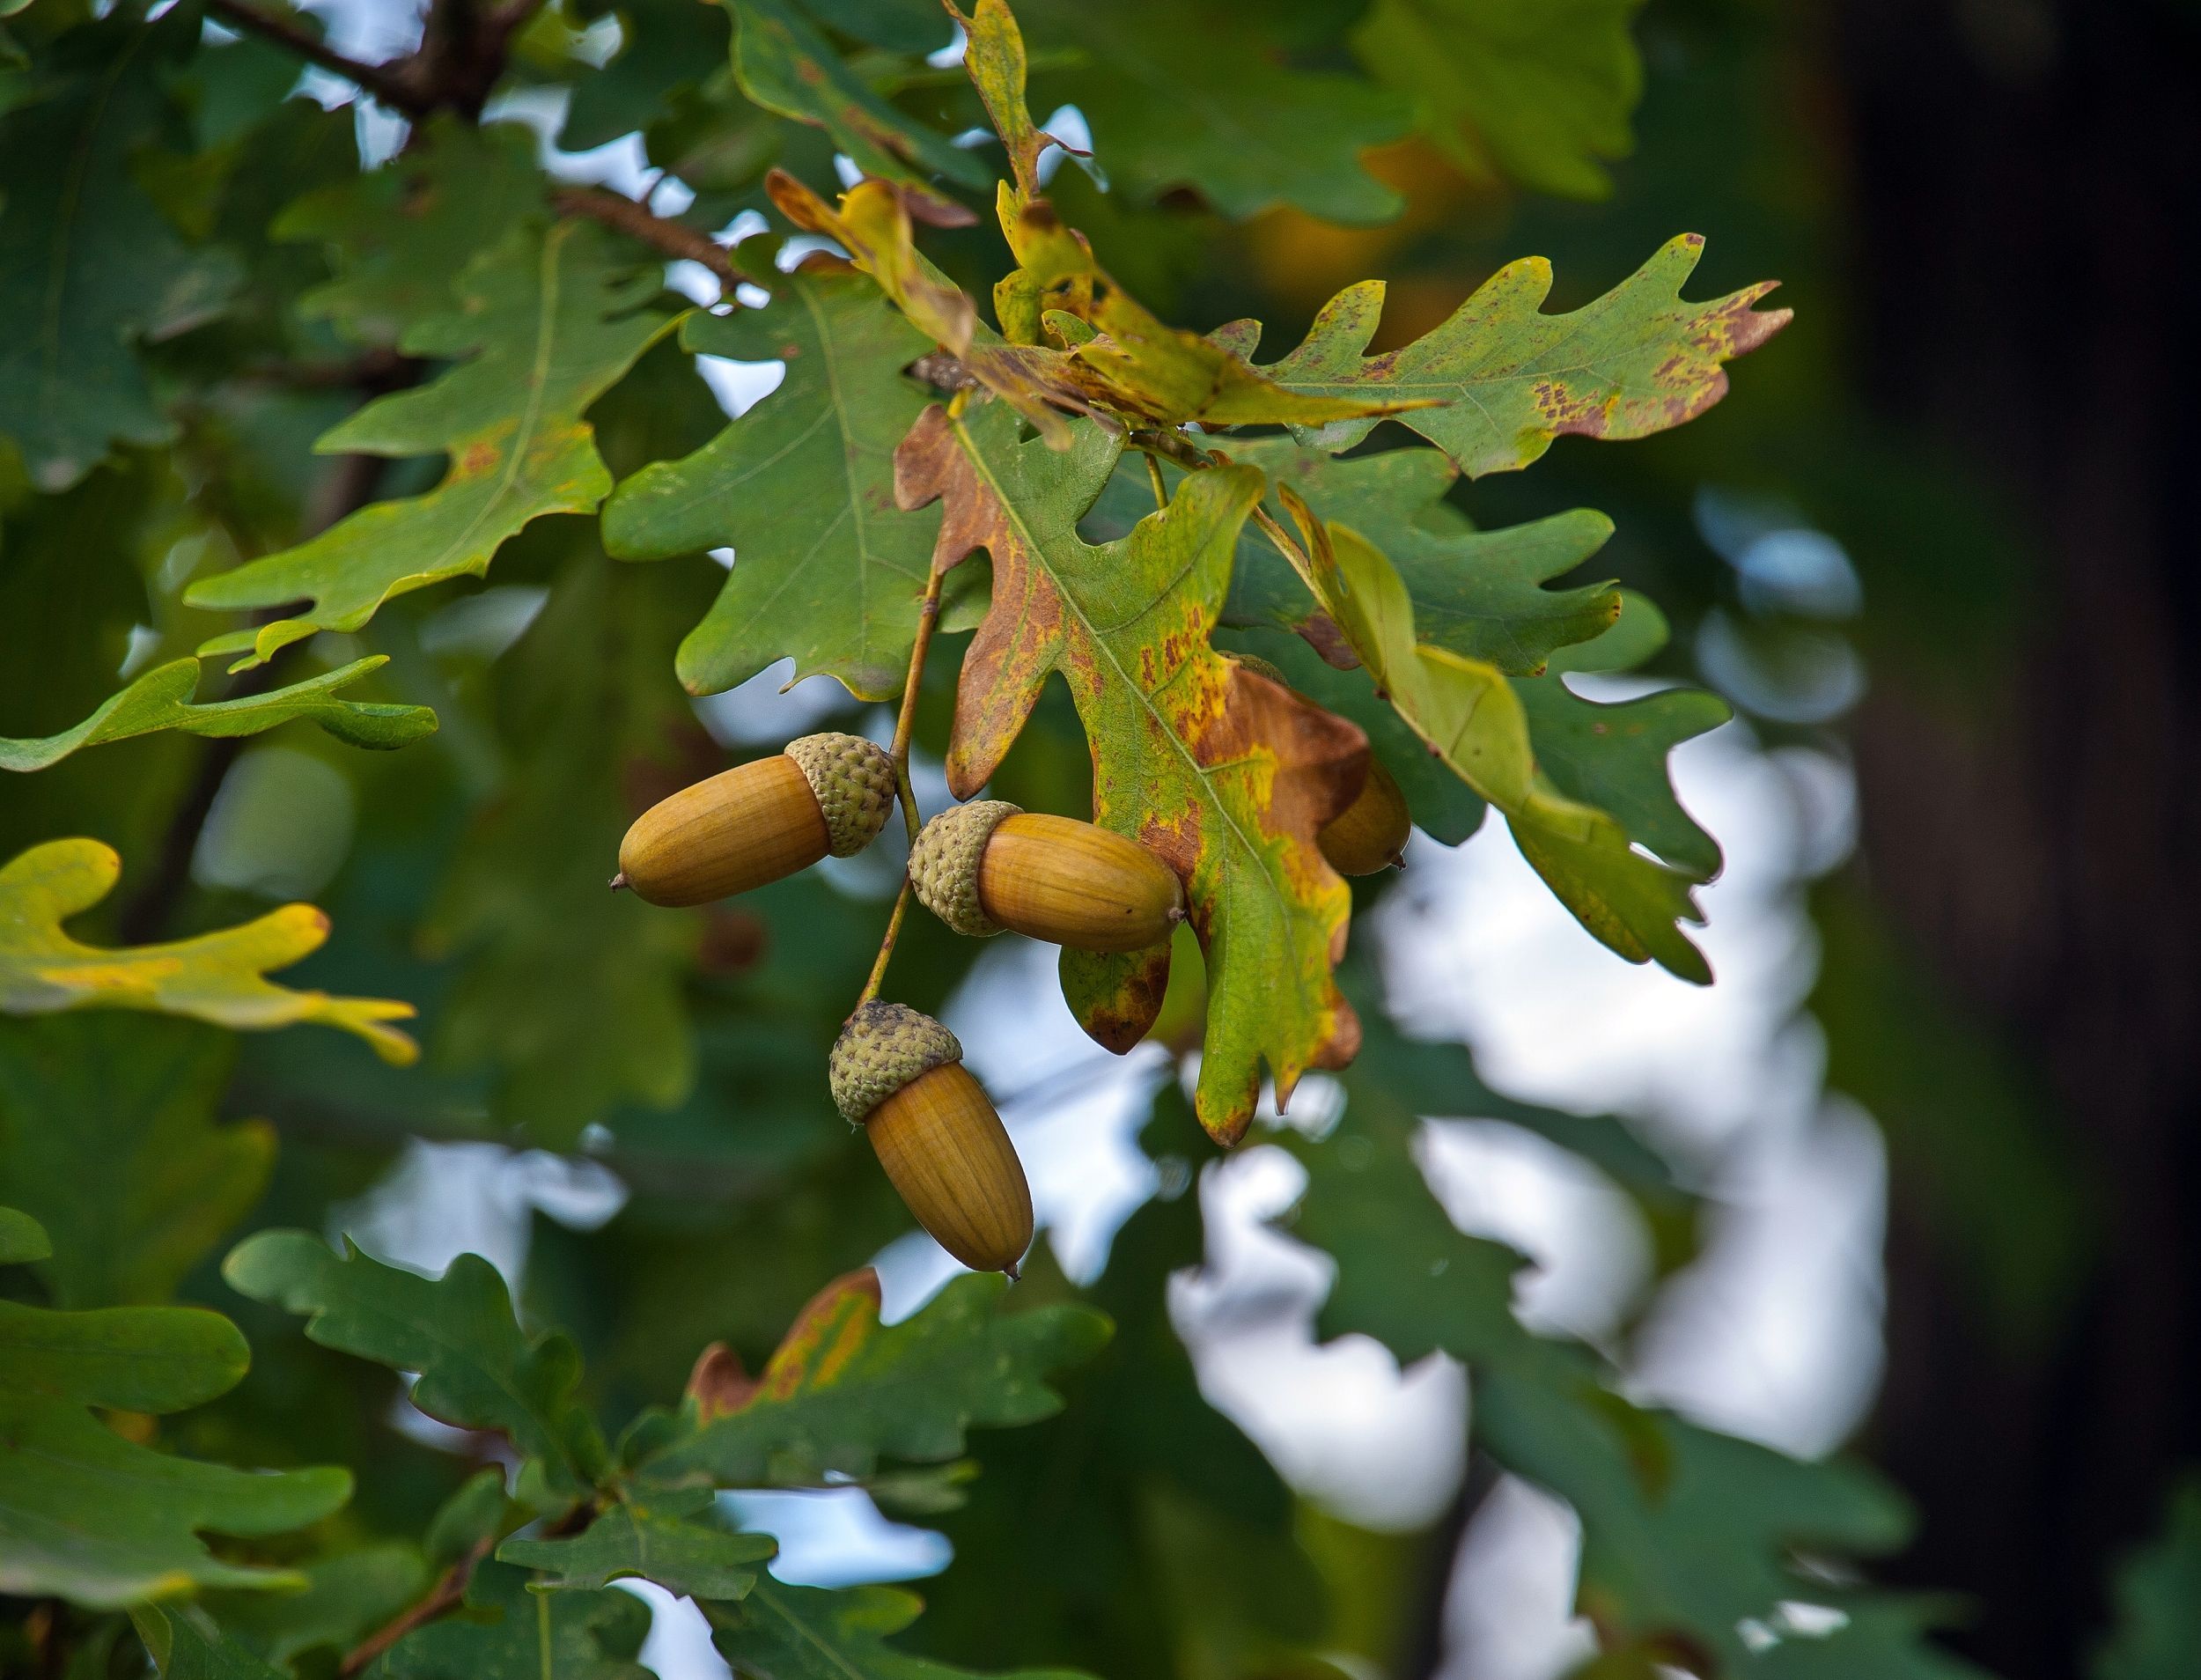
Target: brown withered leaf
1224,773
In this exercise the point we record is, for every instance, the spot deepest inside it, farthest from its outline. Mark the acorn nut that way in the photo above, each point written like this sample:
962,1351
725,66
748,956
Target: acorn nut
900,1075
760,820
988,865
1371,833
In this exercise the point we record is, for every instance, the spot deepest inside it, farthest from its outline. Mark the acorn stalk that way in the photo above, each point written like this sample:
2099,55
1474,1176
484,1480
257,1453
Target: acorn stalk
987,866
825,795
900,1075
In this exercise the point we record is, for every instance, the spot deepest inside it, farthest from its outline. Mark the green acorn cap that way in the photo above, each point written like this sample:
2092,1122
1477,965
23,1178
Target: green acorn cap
1260,667
883,1047
854,781
944,864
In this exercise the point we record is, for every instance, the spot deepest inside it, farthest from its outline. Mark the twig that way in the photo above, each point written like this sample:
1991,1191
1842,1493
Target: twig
1154,478
393,85
905,724
639,222
444,1597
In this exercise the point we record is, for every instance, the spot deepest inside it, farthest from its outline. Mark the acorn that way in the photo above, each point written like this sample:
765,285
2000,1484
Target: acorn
900,1075
988,865
829,793
1371,833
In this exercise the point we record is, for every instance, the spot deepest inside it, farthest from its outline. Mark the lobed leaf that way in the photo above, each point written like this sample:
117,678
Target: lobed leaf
826,568
217,977
185,1644
811,1633
477,1368
1226,775
161,699
95,1517
1468,713
1636,361
504,1631
843,1392
666,1537
549,321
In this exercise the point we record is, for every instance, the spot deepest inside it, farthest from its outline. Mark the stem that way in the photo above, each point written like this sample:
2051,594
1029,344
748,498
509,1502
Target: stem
639,222
905,724
1154,478
442,1599
387,84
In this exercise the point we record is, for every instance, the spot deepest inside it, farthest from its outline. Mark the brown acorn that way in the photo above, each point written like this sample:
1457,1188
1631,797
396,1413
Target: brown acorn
988,865
828,793
900,1075
1371,833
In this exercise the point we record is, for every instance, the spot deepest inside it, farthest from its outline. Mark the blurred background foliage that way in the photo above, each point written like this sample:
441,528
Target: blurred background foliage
1939,536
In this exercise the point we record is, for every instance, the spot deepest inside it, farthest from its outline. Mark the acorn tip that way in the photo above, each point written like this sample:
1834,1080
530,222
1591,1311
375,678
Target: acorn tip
1014,1276
619,882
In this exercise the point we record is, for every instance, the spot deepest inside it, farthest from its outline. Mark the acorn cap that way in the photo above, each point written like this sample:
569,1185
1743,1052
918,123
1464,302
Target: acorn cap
883,1047
944,864
854,781
1260,667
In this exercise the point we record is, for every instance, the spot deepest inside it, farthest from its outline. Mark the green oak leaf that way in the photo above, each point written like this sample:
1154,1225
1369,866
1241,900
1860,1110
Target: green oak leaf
547,322
93,1517
811,1633
1535,91
2158,1592
827,568
217,977
477,1368
785,65
161,699
348,1594
665,48
1511,378
1466,712
1224,775
187,1644
659,1538
1613,755
87,263
1479,593
126,1101
1227,118
843,1391
1685,1532
401,235
502,1632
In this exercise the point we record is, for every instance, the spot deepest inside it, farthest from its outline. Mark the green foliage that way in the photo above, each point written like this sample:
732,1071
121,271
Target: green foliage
1521,90
2157,1595
549,320
477,1369
161,699
843,1392
670,1540
127,1102
91,1513
87,264
802,489
209,297
806,1634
